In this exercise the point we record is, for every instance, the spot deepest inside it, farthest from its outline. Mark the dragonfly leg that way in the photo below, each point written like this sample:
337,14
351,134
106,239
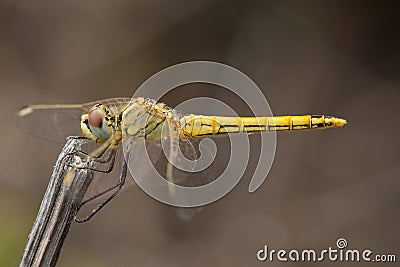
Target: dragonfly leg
97,159
110,159
78,137
107,157
111,156
100,153
118,186
106,153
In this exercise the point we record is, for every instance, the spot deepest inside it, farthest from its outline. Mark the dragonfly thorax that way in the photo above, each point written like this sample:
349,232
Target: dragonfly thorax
147,119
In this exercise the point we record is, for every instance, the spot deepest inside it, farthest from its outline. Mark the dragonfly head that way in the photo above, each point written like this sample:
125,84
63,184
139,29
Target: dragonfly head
96,124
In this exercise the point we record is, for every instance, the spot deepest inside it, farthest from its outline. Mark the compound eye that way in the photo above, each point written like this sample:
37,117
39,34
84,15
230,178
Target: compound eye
95,117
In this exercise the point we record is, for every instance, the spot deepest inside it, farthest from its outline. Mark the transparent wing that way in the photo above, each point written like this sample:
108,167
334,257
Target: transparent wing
50,122
104,181
150,160
188,165
185,149
56,122
139,164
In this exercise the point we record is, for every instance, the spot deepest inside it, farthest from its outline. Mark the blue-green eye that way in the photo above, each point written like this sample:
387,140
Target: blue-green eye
98,124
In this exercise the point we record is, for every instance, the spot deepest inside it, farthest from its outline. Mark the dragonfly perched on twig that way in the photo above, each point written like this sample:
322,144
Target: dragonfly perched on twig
113,121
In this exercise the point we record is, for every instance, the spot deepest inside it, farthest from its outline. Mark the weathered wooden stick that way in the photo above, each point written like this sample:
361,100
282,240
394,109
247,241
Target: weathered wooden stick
60,204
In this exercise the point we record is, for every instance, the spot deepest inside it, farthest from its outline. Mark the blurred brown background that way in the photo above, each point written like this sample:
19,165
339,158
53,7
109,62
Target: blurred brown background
340,58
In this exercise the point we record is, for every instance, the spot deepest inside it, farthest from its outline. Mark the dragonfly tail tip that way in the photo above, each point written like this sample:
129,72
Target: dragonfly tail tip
340,122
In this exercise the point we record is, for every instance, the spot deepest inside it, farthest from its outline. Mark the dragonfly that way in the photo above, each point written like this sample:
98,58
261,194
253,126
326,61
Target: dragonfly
111,122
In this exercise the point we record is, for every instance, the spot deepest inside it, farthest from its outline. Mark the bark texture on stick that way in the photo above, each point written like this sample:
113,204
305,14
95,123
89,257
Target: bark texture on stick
60,204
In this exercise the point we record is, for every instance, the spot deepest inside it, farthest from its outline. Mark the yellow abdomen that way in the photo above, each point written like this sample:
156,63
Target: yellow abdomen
199,125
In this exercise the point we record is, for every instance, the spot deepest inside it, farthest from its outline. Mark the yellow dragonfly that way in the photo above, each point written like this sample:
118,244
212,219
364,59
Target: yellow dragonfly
109,122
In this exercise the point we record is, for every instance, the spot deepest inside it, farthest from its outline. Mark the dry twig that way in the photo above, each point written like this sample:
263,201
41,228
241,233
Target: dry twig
59,206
